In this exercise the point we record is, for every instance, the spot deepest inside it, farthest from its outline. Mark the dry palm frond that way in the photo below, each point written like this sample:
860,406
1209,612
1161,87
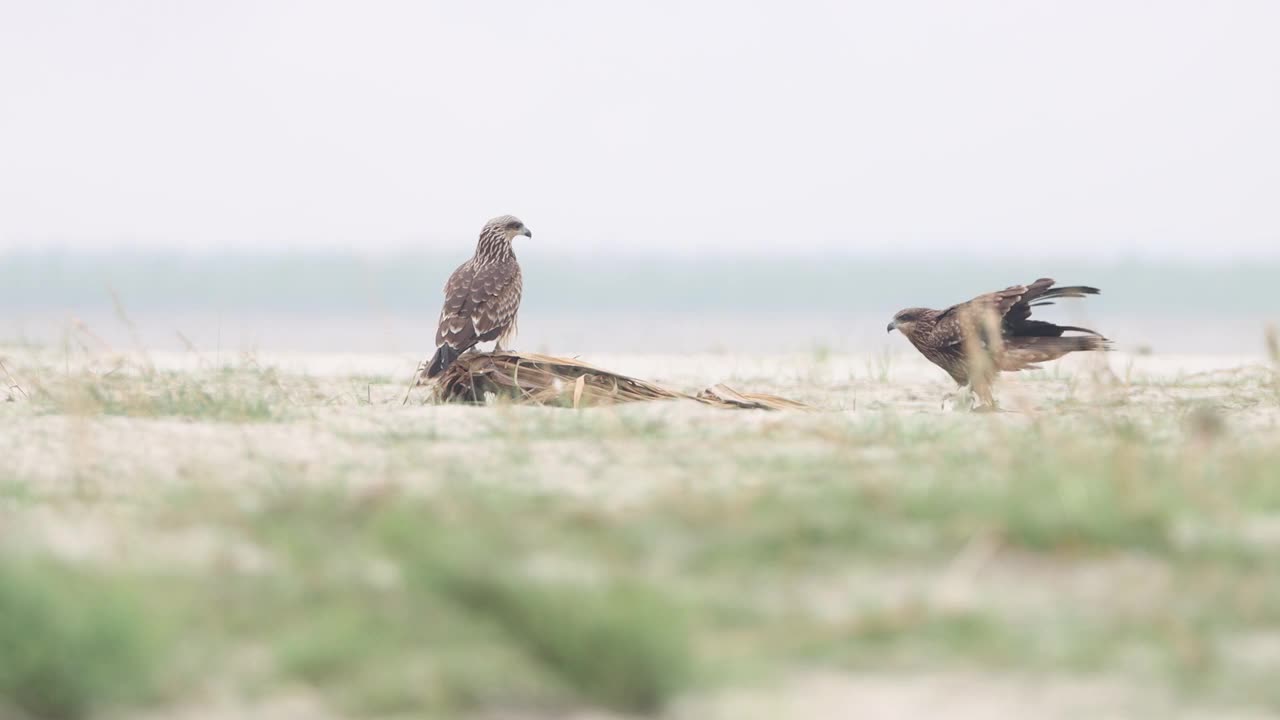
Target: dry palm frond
726,396
529,378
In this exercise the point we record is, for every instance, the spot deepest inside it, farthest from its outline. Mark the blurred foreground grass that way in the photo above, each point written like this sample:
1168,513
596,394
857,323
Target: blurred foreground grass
173,538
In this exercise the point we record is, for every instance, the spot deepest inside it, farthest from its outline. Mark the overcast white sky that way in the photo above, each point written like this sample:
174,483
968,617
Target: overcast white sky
1115,126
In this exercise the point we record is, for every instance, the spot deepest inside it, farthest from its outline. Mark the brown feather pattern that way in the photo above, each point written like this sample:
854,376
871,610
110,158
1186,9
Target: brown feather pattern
976,340
482,297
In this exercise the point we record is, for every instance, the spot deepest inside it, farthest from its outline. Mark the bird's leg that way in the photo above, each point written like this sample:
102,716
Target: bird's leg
987,399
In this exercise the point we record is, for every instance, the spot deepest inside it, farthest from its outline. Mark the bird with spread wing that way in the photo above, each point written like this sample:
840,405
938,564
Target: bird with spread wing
482,297
974,341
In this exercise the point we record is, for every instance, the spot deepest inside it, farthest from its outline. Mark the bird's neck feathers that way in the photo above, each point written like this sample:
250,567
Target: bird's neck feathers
494,246
923,326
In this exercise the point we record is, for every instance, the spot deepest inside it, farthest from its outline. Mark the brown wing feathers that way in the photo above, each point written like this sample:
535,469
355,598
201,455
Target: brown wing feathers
945,337
1028,341
480,306
482,297
1040,293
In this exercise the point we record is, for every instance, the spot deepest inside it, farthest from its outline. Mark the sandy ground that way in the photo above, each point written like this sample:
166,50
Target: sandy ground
706,368
345,398
105,463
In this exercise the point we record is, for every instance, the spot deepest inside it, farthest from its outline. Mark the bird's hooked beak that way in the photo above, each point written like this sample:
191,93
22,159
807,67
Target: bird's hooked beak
892,326
526,232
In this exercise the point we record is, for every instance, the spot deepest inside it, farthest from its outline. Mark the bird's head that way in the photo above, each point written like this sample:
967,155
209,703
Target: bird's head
506,227
905,321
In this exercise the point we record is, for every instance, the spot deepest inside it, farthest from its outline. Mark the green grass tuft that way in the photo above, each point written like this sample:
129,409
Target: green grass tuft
239,396
71,645
622,646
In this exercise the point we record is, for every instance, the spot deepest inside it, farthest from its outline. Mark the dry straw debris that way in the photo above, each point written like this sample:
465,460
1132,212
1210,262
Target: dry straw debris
14,389
533,379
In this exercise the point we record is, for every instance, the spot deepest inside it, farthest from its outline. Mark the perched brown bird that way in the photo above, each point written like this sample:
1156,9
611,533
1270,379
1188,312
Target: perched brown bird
975,340
482,296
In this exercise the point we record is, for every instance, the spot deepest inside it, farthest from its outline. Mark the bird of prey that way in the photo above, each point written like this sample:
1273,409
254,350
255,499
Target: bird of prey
975,340
482,296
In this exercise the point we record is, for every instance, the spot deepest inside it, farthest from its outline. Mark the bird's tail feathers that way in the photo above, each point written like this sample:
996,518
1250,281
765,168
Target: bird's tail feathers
1079,343
1022,353
1059,346
1095,342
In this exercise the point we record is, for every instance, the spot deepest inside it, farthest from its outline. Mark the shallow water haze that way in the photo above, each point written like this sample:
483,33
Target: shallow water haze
340,302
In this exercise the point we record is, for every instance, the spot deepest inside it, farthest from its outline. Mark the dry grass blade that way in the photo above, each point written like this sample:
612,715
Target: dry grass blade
134,334
418,380
1272,334
13,384
530,378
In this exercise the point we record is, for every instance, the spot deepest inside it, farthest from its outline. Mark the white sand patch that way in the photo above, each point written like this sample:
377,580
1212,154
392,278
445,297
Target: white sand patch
957,696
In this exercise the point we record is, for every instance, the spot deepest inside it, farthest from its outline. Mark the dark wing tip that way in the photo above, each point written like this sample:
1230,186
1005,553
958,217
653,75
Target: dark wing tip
1087,331
1072,291
444,357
